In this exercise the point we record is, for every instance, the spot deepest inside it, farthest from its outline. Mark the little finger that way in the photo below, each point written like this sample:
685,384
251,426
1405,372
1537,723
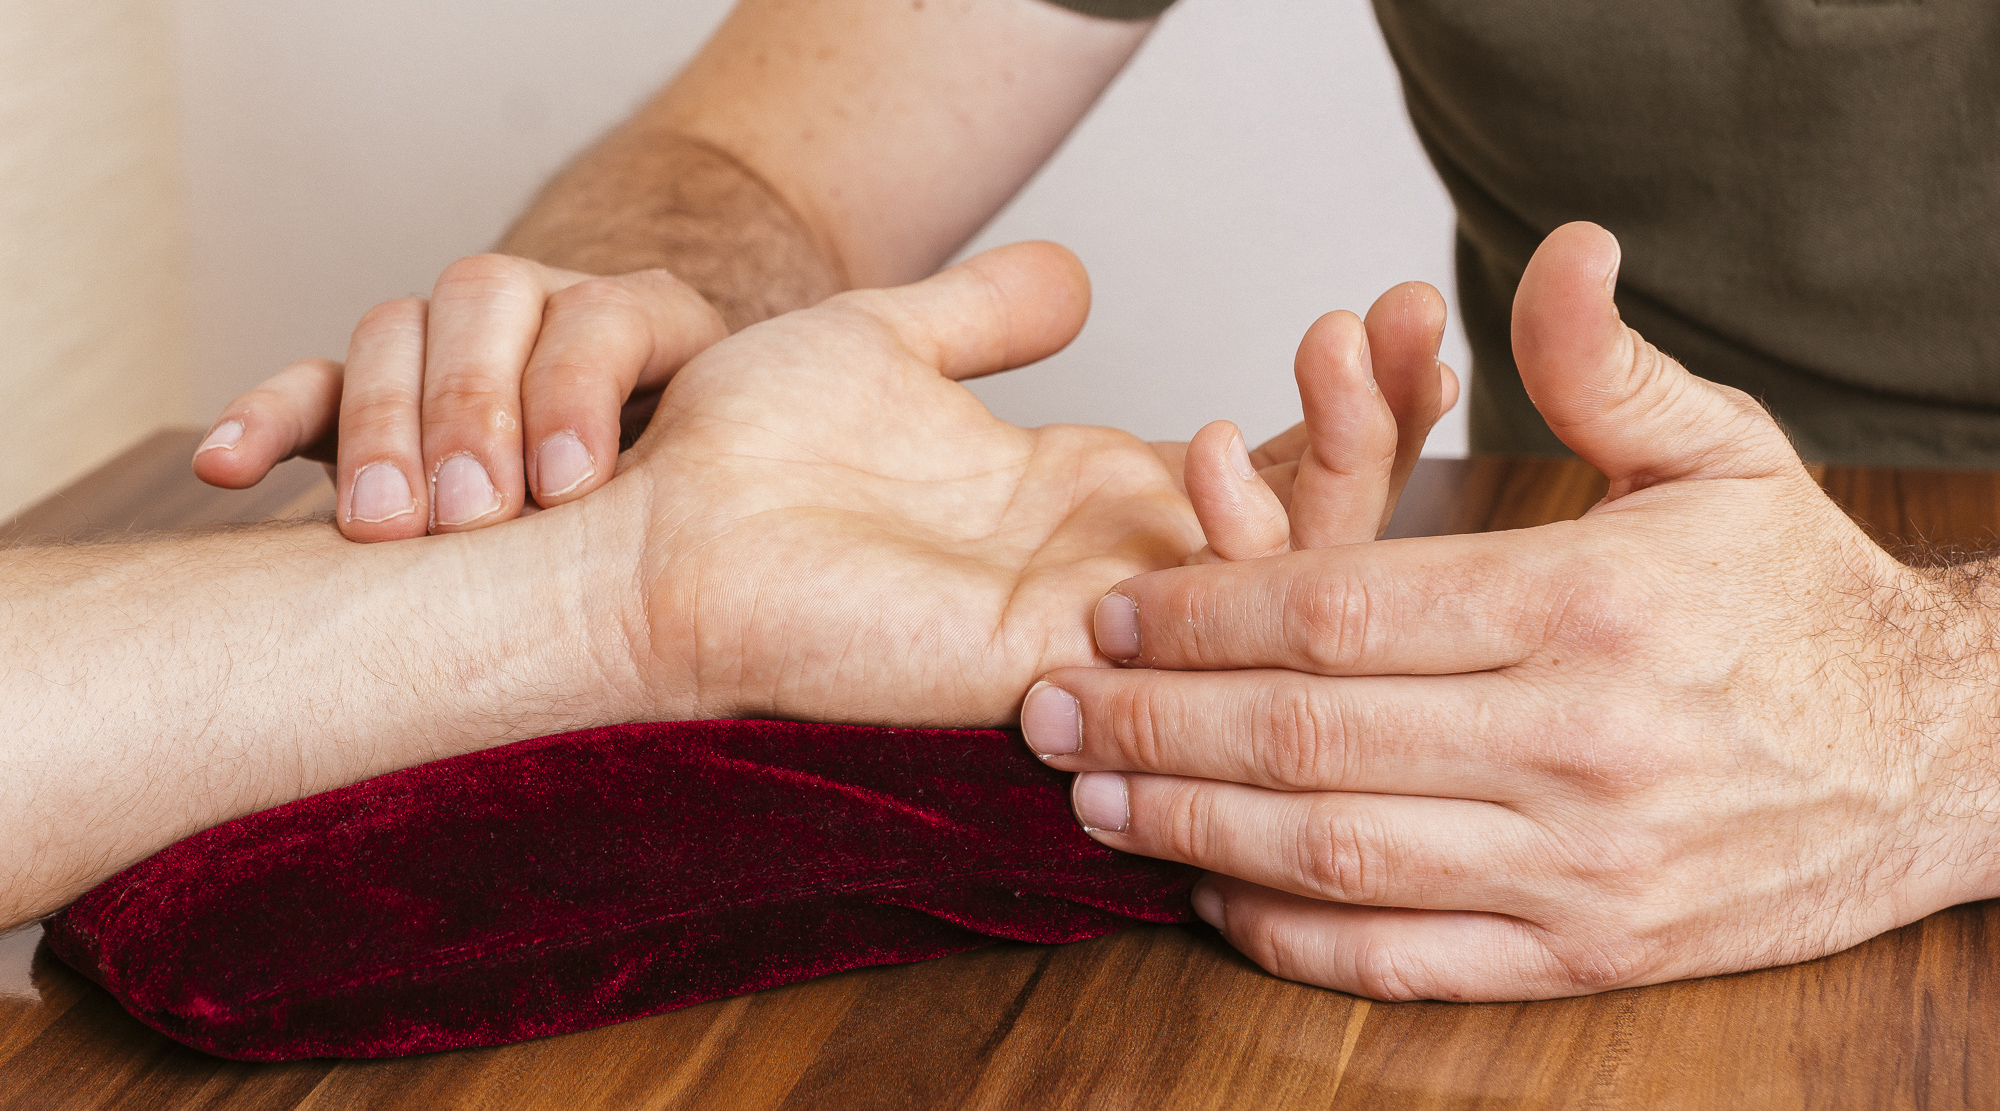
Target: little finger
1397,954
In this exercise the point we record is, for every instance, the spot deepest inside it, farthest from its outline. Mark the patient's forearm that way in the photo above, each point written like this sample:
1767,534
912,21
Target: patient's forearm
646,197
153,689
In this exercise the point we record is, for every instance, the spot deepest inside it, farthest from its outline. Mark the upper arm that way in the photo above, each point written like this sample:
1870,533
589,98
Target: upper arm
895,128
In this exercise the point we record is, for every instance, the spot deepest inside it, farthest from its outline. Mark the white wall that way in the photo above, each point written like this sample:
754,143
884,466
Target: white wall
1253,169
91,238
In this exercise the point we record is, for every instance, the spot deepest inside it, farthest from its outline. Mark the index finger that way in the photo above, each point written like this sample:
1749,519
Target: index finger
1431,606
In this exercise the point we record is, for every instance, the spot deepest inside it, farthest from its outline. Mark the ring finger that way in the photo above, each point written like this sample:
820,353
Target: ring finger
1372,850
486,314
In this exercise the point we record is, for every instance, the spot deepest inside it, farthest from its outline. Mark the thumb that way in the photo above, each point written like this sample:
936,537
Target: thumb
998,310
1614,398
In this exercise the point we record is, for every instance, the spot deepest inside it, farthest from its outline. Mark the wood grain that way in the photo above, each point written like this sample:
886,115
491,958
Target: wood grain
1151,1018
151,488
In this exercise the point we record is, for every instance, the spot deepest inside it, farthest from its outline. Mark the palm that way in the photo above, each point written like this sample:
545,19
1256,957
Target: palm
841,533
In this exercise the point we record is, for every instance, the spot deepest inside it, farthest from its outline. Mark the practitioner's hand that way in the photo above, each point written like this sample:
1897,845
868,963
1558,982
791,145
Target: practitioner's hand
451,411
839,531
1708,727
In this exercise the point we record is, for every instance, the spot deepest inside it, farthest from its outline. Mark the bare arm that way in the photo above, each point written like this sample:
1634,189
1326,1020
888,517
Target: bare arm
817,146
152,689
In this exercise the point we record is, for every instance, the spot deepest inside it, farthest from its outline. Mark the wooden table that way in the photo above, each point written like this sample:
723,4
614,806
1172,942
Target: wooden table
1151,1018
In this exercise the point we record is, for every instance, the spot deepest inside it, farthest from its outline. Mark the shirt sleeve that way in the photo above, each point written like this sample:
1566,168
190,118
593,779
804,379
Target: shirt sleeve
1133,10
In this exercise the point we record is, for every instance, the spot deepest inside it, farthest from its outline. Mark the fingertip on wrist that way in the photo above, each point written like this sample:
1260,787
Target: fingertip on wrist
380,493
563,464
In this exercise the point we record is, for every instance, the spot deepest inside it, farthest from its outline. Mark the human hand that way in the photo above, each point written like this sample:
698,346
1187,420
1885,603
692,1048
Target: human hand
1374,389
1708,727
828,464
449,412
839,531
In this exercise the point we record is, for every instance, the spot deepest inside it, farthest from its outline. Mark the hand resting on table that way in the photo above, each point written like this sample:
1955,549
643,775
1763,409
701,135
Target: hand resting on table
1708,727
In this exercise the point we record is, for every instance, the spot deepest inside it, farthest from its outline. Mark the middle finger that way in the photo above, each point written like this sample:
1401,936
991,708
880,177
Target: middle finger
485,316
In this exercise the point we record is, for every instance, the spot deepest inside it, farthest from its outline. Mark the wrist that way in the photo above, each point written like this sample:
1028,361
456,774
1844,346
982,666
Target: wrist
584,656
1956,684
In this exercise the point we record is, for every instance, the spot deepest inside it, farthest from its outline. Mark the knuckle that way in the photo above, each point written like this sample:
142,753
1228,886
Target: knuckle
1135,716
1608,751
659,280
595,297
1597,611
1187,826
1657,383
1329,623
1341,857
455,393
1306,741
1281,949
1619,869
1385,970
1589,967
485,275
561,375
383,413
311,368
404,314
597,319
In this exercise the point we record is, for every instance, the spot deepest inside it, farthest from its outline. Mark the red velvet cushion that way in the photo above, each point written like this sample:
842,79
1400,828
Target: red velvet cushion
580,880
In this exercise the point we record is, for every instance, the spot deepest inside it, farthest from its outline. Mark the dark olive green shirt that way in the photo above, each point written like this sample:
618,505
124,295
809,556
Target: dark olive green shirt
1808,193
1117,9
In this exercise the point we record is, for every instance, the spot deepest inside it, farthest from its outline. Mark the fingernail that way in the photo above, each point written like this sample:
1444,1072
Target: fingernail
381,493
225,435
1208,905
1102,802
1051,721
1617,260
461,493
562,464
1116,624
1239,457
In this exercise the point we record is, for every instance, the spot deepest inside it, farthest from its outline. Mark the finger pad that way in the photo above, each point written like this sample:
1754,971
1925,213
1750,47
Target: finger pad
1047,294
